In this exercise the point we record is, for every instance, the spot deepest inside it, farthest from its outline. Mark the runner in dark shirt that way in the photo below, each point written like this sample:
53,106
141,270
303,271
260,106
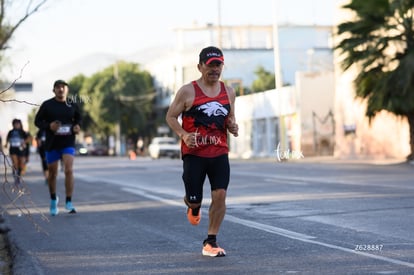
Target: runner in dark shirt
61,121
16,139
65,115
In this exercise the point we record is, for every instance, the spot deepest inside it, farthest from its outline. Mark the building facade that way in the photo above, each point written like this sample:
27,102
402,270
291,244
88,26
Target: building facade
386,136
246,48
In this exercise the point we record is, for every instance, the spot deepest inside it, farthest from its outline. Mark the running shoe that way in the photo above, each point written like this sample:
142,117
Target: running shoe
17,181
54,210
193,219
213,250
69,206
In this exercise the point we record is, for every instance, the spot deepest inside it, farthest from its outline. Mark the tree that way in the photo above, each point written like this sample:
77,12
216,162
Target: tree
379,42
265,80
7,28
76,84
121,93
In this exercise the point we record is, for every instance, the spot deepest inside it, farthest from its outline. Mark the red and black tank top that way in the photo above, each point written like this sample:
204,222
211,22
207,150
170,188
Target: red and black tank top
207,117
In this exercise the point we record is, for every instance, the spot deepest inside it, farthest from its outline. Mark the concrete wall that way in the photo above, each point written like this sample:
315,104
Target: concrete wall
316,92
258,116
387,136
301,108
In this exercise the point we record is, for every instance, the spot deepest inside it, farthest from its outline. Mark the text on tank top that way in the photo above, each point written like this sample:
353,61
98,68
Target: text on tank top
207,117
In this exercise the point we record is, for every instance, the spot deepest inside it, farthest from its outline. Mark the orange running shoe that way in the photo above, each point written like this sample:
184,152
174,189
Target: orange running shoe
194,220
213,250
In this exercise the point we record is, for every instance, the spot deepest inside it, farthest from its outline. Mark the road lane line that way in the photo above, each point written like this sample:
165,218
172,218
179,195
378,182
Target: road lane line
263,227
143,193
277,230
298,180
308,239
268,228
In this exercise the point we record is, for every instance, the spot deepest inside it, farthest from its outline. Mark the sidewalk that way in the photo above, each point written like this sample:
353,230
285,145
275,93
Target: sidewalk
5,261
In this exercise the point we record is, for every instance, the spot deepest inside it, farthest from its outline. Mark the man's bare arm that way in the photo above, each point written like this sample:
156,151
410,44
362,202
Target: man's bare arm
232,126
181,102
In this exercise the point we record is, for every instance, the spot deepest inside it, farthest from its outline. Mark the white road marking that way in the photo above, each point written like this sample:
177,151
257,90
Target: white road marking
148,193
298,180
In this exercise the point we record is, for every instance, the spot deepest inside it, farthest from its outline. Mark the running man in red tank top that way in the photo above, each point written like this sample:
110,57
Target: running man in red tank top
207,109
207,118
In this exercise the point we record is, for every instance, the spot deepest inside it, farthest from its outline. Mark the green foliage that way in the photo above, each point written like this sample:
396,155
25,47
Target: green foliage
120,93
265,80
379,42
9,24
76,84
22,10
32,128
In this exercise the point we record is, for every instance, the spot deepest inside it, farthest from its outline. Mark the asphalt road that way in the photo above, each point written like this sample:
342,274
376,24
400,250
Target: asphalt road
282,218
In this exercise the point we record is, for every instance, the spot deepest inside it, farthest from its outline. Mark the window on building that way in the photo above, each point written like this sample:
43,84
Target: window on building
23,87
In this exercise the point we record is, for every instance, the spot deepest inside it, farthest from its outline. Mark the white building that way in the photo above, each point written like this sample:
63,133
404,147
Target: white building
291,122
245,48
272,117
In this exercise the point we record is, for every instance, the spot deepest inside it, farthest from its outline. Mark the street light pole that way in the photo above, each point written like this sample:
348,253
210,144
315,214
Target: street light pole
276,50
219,40
278,74
118,124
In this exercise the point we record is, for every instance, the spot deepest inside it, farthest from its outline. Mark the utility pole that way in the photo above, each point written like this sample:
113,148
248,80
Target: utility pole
118,124
276,51
278,75
219,34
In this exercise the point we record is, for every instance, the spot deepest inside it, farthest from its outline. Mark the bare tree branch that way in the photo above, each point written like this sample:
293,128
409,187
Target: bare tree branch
15,80
8,31
19,197
19,101
12,84
15,190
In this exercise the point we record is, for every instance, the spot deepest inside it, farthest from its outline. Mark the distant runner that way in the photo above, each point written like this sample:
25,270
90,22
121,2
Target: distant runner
61,121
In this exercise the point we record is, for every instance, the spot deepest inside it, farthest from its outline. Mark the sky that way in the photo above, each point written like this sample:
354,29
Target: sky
67,30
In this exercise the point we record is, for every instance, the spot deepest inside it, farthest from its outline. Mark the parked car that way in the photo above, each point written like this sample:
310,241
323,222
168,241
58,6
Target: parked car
99,150
81,150
164,147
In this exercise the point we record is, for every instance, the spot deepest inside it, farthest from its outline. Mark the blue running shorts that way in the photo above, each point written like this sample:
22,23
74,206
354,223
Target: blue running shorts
55,155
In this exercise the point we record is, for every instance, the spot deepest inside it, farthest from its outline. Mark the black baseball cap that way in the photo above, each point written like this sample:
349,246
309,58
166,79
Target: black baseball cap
60,82
16,121
210,54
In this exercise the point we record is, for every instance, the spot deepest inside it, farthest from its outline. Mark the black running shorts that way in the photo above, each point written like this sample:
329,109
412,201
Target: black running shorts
195,170
16,151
